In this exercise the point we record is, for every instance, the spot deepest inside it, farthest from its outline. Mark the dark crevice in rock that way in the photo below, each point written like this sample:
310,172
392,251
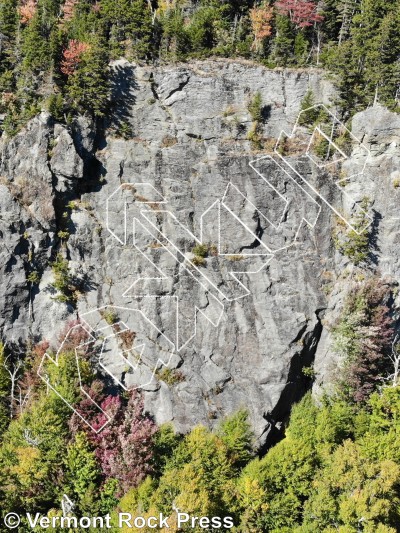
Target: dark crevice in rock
373,243
153,86
180,87
300,334
93,169
200,137
297,386
121,170
259,232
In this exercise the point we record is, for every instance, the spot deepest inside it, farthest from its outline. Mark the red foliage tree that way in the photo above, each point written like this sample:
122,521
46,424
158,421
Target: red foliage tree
377,334
72,56
86,408
125,447
301,12
72,335
28,385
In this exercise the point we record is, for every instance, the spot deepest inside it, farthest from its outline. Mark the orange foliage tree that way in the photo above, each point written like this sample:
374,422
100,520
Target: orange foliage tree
261,23
27,10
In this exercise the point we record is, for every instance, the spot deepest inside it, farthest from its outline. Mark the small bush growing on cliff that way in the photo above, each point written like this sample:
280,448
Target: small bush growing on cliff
199,261
354,243
254,136
255,107
62,279
170,376
124,130
110,316
201,250
255,110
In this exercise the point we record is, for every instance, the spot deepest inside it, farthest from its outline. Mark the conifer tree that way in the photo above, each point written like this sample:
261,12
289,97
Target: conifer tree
35,47
175,41
236,434
88,86
8,18
140,29
283,45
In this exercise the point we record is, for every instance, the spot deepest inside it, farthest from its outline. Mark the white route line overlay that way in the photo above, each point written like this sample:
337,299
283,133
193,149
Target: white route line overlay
204,281
363,148
45,377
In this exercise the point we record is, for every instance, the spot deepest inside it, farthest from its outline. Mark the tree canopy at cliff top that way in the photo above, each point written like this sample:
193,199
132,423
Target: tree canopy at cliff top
56,53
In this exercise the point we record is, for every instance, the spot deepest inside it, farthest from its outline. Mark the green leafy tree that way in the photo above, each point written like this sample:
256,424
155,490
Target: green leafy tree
82,472
31,456
251,503
236,434
381,440
195,476
165,443
350,492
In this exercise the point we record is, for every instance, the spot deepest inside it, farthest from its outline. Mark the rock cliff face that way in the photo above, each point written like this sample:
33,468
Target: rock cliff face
130,205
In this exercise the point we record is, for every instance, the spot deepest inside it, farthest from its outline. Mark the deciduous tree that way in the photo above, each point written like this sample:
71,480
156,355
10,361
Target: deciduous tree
261,18
124,447
302,13
72,56
27,10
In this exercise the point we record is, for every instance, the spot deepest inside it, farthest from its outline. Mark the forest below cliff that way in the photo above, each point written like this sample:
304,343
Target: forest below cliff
336,469
56,54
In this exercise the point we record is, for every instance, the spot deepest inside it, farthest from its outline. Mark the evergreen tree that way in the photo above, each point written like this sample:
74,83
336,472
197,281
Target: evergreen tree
8,18
283,45
365,65
35,47
116,16
349,491
31,456
85,22
140,29
175,41
88,86
208,28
